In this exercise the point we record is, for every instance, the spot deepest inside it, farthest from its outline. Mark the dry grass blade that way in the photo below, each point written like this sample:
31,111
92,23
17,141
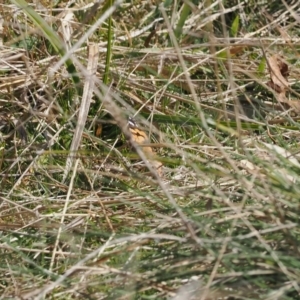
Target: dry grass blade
93,53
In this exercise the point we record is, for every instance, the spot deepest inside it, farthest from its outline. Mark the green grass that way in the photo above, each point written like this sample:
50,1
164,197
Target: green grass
222,222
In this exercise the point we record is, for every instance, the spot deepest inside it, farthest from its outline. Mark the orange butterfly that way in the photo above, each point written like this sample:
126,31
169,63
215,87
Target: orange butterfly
140,137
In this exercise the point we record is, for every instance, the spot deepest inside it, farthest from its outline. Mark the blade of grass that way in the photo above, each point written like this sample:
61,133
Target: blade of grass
109,47
183,16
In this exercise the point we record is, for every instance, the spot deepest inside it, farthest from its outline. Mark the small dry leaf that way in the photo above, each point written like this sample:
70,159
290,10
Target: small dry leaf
279,73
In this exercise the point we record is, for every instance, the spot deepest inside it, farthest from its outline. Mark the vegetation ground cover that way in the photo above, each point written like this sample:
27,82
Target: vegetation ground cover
85,209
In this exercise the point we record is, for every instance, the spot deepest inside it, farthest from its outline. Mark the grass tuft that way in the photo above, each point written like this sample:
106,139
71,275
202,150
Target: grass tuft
86,212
